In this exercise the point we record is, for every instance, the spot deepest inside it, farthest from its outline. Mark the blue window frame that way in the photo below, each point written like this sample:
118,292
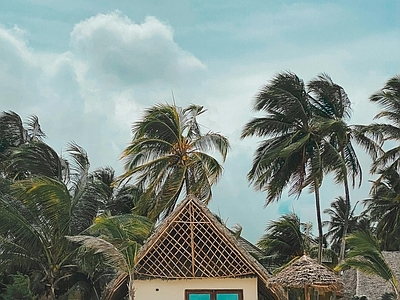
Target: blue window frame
214,295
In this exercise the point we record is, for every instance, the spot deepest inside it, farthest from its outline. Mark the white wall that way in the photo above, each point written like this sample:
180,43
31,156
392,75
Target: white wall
158,289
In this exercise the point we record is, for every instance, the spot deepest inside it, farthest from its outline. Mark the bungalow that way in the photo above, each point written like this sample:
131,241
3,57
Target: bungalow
192,256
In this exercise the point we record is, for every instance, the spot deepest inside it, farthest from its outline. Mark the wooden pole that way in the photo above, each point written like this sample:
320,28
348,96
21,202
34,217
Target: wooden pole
307,295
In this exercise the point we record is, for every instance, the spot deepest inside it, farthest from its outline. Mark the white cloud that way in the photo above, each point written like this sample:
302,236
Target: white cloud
127,53
92,93
17,67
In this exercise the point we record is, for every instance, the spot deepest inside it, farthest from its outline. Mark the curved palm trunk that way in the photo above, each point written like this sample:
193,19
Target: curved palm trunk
319,220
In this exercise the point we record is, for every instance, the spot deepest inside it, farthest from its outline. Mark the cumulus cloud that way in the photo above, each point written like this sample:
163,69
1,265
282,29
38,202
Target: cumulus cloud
17,67
88,93
128,53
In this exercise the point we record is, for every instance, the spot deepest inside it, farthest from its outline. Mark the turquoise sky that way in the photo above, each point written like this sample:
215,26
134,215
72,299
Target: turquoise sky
87,69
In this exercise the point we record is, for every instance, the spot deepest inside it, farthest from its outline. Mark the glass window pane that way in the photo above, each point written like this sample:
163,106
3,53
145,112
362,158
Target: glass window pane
233,296
199,297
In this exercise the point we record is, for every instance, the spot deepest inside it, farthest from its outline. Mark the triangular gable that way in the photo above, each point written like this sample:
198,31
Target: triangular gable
191,243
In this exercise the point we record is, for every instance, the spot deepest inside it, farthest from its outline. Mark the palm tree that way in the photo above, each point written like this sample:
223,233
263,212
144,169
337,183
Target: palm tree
35,158
366,256
116,200
38,211
389,99
383,207
35,218
168,154
338,213
377,134
14,135
117,239
284,239
295,152
333,103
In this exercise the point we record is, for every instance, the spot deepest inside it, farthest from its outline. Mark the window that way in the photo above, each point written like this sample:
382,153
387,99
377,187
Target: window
213,295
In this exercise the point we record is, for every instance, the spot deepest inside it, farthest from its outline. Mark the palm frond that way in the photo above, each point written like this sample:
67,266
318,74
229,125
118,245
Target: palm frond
97,245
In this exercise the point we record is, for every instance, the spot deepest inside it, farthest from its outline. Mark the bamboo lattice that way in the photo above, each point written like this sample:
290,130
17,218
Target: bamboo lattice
192,246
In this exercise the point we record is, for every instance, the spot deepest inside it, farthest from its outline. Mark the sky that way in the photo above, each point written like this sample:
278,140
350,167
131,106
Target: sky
88,69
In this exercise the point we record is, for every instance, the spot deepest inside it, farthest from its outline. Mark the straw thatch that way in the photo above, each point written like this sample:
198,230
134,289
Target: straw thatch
373,287
306,273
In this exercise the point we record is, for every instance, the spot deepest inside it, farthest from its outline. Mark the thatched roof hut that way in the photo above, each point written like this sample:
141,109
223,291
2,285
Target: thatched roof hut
305,273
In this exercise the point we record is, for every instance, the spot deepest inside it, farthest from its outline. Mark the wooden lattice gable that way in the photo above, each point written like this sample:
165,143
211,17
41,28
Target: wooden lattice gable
191,243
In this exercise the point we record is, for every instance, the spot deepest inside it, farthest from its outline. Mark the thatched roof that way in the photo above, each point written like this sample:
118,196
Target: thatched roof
305,273
372,286
191,243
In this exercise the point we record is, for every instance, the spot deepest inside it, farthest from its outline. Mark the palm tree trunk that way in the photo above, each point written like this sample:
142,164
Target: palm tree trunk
346,221
131,288
346,216
319,220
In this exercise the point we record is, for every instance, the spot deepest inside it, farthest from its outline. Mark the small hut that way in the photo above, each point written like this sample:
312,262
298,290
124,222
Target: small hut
307,275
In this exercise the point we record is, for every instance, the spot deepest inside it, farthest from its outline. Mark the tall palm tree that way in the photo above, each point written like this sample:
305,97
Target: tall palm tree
383,207
366,256
294,152
332,102
168,155
117,239
338,213
284,239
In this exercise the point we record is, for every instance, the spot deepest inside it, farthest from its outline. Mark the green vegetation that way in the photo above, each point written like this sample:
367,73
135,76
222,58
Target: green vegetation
168,153
67,230
366,256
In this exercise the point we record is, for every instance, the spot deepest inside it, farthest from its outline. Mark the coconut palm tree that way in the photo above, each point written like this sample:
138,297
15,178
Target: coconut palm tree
338,213
14,135
117,239
35,218
38,211
116,200
167,155
333,103
366,256
35,158
294,152
285,239
383,207
389,99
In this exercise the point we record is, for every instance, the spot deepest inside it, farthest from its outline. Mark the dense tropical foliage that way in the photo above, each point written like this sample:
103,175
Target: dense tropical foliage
118,240
65,227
